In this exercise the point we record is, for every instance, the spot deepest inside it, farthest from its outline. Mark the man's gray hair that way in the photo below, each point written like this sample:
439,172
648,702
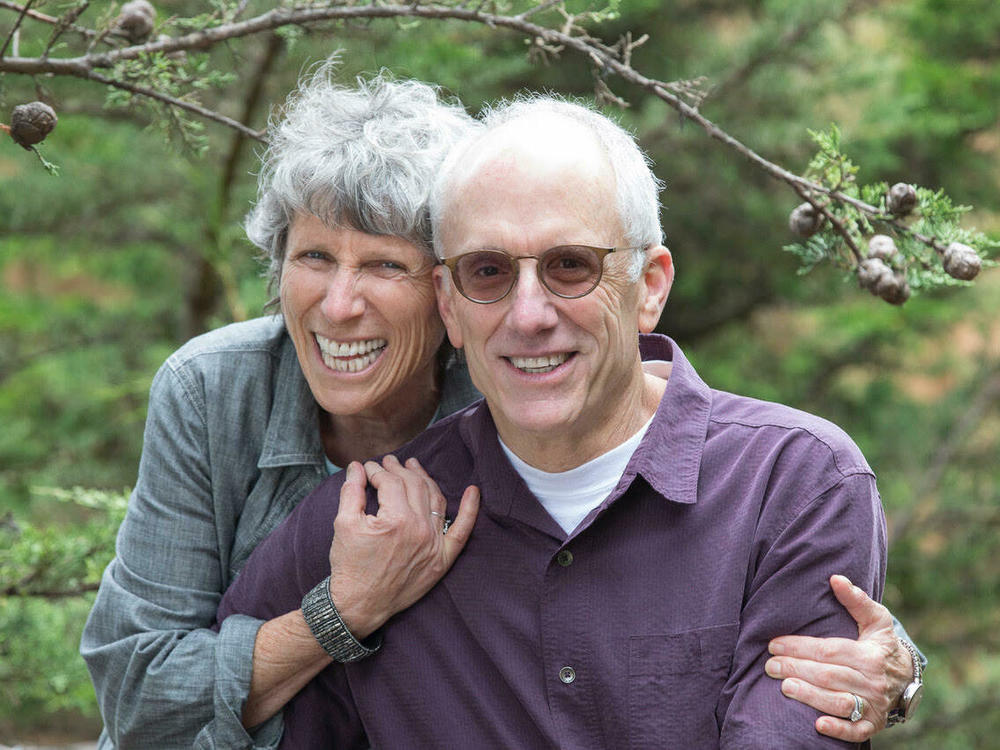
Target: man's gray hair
636,187
363,158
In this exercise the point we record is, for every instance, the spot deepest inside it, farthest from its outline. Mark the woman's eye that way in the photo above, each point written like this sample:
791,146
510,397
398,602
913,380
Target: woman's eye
385,269
313,255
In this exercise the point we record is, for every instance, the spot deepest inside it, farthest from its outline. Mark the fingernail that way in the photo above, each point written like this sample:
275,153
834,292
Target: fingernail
776,647
789,688
773,667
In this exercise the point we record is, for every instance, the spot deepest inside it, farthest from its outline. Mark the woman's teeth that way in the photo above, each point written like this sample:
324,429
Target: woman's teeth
349,356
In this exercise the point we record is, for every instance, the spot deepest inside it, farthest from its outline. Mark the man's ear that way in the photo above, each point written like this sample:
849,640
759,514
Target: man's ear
445,291
657,278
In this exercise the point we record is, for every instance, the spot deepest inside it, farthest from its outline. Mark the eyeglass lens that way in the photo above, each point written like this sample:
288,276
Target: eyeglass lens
567,271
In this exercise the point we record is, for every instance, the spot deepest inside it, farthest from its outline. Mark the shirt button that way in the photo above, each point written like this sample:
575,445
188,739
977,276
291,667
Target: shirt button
567,674
564,558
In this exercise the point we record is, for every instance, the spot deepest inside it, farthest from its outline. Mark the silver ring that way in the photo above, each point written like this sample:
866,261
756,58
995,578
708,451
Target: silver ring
859,708
436,514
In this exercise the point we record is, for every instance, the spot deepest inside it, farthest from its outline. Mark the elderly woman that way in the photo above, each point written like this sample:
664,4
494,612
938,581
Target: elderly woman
245,421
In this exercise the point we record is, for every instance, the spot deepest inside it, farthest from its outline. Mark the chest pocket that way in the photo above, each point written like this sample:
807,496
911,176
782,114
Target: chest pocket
674,686
272,498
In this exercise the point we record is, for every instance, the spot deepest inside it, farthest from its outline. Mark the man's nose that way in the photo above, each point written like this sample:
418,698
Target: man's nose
531,307
344,299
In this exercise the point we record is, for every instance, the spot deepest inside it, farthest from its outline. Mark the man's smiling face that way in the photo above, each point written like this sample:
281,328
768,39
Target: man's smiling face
547,366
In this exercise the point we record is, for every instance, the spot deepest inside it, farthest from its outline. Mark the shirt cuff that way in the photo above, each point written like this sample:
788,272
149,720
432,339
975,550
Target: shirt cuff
900,631
233,669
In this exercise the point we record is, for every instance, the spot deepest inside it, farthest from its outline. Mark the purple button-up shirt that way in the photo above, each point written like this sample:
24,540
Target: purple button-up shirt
647,627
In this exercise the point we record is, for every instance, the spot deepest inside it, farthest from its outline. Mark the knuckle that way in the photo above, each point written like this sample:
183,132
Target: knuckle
882,611
845,705
826,651
826,675
884,692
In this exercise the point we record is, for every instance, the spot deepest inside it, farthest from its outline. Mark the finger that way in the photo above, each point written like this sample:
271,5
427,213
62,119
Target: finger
842,729
372,469
391,490
830,677
415,484
827,650
836,706
437,500
352,493
460,531
869,614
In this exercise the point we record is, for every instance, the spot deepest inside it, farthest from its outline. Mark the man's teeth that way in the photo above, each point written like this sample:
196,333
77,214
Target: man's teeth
539,364
349,356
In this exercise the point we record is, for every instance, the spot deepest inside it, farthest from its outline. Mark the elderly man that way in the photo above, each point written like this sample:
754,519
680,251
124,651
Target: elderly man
641,537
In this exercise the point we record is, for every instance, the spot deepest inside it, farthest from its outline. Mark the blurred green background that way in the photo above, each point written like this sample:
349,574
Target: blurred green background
137,246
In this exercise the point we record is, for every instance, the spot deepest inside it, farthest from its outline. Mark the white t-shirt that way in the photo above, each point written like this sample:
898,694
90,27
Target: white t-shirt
569,496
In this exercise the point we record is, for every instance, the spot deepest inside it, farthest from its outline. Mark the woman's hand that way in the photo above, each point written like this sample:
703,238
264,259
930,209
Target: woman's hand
825,673
381,564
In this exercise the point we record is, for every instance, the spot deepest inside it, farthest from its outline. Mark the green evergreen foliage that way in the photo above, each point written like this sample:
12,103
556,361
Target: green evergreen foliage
48,572
843,244
136,246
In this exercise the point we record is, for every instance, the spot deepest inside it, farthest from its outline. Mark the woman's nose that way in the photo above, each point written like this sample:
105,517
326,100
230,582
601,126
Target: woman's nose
344,298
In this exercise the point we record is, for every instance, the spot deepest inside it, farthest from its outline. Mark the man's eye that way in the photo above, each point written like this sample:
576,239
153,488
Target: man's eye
567,262
485,270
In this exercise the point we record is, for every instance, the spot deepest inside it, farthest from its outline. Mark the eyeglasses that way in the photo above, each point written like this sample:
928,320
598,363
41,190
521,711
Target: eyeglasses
568,271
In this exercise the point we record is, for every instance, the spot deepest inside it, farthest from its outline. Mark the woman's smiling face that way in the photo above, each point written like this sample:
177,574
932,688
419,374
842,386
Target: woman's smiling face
361,312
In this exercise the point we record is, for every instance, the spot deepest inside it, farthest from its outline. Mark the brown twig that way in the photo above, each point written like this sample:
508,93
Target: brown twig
17,25
606,59
35,15
64,23
197,109
538,9
822,207
80,590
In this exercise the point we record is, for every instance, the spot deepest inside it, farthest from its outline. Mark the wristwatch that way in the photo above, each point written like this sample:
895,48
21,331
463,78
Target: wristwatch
912,694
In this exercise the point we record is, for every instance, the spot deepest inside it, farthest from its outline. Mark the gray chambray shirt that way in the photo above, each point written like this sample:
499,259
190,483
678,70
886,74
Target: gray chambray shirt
231,446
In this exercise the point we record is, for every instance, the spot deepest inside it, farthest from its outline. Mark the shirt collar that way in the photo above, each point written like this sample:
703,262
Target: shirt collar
668,458
292,434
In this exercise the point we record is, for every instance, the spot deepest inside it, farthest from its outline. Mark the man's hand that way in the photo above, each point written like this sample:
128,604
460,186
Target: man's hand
824,672
381,564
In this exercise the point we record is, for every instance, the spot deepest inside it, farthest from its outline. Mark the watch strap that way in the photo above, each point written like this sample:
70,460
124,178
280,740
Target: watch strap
899,714
329,629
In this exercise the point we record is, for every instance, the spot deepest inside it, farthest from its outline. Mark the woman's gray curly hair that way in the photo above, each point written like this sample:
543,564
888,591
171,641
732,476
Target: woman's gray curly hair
364,158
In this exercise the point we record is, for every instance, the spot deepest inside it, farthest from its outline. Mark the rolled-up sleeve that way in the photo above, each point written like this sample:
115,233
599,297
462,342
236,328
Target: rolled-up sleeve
163,678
